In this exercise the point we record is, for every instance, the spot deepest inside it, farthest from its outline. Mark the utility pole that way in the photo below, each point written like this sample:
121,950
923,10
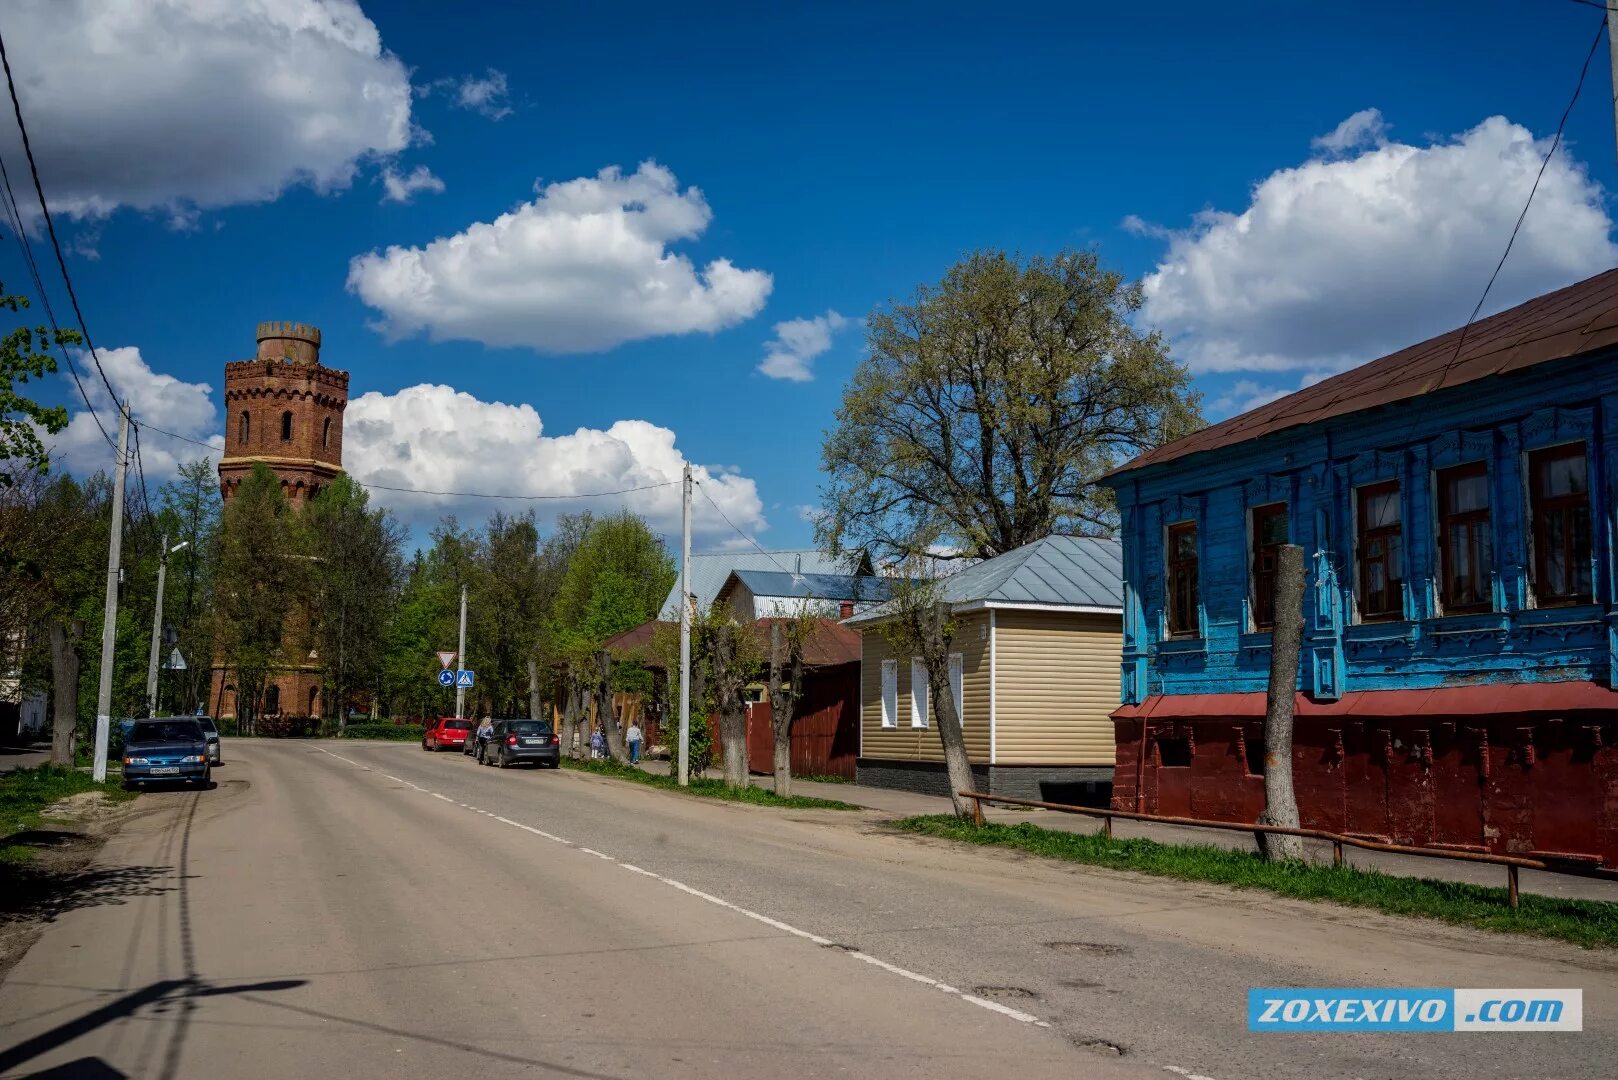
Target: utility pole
157,623
460,691
685,630
109,622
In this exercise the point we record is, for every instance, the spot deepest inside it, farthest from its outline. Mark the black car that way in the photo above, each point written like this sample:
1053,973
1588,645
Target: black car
516,742
170,749
474,743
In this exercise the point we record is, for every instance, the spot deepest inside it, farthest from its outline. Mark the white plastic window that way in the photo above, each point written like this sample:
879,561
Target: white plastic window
957,675
890,693
918,694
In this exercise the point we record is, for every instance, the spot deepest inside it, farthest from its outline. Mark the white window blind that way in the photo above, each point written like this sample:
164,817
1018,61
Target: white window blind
918,694
890,693
957,674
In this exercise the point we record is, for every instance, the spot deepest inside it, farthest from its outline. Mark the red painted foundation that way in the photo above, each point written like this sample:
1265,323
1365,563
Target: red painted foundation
1525,769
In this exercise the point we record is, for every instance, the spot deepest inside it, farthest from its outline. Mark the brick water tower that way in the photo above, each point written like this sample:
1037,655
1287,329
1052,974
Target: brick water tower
283,408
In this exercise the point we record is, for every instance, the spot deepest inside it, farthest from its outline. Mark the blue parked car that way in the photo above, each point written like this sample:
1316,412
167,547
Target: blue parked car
166,750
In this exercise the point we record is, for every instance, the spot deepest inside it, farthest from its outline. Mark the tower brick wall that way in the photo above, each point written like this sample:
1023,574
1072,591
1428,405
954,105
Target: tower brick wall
285,409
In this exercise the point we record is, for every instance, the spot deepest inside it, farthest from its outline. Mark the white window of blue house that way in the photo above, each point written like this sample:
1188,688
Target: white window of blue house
890,693
1379,552
1183,584
1559,492
1465,540
1269,535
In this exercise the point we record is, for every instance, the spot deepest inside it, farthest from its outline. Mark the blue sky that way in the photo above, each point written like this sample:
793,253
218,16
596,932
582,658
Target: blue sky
849,152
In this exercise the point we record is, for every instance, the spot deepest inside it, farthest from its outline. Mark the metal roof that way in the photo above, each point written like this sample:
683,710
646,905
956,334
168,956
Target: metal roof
710,570
1569,322
827,644
1057,572
816,586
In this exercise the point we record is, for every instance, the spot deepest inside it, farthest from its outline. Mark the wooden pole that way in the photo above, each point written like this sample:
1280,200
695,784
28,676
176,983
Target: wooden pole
1280,800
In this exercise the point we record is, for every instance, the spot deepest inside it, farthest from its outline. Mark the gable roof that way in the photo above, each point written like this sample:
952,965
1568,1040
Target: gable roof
1562,324
1071,573
710,570
827,644
816,586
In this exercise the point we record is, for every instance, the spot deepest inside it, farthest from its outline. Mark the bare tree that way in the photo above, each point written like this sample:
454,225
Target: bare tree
732,652
1280,800
920,624
787,638
572,712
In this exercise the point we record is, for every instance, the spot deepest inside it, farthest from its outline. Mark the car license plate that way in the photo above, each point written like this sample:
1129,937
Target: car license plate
530,742
165,770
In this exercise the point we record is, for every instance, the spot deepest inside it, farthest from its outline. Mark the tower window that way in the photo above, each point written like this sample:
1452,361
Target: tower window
286,427
325,432
244,427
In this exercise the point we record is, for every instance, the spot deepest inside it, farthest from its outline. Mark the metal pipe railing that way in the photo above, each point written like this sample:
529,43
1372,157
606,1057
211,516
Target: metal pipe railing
1512,863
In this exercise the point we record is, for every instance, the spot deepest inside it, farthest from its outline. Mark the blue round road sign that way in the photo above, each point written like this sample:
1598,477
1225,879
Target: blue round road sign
446,678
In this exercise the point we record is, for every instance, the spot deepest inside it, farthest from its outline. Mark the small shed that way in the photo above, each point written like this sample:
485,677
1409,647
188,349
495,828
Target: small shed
1038,635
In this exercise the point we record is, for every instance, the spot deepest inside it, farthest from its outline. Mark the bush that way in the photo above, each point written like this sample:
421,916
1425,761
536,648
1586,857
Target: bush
397,732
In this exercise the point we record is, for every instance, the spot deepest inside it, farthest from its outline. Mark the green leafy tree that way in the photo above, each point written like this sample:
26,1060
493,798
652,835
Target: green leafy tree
24,355
990,404
258,571
355,569
508,596
190,513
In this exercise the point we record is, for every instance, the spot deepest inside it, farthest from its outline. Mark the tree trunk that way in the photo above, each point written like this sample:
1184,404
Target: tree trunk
533,689
935,656
783,704
65,688
733,733
604,714
572,705
1280,801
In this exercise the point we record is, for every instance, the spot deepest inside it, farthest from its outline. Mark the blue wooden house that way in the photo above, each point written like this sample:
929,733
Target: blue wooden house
1456,505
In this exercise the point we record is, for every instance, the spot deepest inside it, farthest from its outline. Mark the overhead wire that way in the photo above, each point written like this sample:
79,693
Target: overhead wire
756,545
1556,143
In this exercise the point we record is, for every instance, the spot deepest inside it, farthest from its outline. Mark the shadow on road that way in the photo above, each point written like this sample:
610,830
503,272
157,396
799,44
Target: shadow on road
35,891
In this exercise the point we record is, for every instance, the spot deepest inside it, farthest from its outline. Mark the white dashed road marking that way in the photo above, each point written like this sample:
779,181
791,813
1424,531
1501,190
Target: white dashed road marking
786,928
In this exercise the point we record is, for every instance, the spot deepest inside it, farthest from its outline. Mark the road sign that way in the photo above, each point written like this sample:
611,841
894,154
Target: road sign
463,679
176,661
446,660
446,678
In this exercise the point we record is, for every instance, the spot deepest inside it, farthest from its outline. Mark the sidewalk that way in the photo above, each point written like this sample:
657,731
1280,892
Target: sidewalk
908,804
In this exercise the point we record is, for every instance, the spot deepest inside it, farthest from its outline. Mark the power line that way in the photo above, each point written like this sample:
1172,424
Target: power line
15,220
1543,165
50,226
756,546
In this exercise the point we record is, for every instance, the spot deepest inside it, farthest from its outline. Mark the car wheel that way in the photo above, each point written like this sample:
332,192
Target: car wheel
500,759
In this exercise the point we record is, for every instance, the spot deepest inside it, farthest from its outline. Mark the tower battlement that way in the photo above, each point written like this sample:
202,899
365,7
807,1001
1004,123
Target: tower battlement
294,341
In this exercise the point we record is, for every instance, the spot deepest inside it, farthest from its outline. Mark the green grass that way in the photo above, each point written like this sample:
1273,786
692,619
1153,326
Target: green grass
25,792
1590,923
705,788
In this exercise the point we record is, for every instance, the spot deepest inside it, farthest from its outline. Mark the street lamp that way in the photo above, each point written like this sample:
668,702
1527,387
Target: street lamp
157,623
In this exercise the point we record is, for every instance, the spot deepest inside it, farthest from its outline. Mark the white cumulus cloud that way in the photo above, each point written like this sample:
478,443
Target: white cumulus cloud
403,187
155,400
434,438
1345,258
583,267
797,342
178,105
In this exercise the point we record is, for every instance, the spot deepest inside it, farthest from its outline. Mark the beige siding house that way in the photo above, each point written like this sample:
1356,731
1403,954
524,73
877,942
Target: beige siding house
1035,662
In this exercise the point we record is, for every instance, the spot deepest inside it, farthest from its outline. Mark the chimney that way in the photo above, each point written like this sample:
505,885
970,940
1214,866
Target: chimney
845,610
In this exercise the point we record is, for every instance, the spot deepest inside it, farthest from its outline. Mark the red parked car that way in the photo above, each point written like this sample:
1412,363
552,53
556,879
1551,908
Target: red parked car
449,733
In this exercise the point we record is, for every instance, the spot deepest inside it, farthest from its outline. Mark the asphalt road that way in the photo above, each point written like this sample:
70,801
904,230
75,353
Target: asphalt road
365,910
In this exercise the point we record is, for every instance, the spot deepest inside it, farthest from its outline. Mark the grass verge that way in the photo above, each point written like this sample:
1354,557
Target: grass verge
705,788
26,792
1590,923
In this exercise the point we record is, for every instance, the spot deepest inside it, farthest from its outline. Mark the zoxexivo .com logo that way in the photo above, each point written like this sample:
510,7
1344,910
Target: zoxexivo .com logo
1351,1009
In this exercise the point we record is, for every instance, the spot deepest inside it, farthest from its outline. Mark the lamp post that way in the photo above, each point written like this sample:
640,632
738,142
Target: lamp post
157,624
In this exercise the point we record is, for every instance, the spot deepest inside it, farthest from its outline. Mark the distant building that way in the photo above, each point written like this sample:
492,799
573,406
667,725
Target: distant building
1034,673
283,409
749,595
1456,504
710,570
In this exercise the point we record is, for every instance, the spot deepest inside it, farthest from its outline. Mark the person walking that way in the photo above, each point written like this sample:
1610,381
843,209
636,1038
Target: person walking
598,744
634,736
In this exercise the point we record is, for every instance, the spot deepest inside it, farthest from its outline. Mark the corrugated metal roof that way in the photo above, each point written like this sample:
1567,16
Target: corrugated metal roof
817,586
1569,322
710,570
1056,571
827,644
